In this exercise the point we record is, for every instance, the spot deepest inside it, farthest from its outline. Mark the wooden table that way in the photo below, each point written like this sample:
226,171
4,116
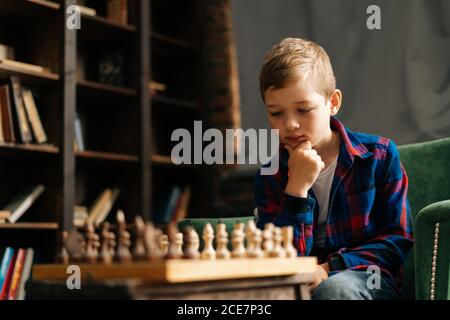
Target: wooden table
180,279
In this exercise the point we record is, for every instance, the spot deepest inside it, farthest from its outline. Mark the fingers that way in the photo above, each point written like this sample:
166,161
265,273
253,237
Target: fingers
288,148
305,145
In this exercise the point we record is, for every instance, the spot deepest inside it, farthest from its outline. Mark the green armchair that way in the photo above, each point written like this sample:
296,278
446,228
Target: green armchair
426,270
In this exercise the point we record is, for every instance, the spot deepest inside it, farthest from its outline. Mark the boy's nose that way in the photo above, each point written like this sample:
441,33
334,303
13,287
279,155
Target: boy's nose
292,124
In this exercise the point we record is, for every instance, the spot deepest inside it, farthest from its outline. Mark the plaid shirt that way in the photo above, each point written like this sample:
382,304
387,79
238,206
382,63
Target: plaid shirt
369,220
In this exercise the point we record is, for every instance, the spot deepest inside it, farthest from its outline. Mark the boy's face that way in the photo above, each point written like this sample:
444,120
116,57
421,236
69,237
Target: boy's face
300,113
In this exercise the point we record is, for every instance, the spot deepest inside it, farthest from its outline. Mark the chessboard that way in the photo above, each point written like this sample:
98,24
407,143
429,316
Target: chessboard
182,270
174,256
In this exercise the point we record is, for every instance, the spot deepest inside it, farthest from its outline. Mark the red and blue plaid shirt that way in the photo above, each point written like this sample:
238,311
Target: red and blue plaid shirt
369,220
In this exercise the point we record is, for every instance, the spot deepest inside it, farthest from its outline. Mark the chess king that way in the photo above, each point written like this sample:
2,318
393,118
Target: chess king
344,192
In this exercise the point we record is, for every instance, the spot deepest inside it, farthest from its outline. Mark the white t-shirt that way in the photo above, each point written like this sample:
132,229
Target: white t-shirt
322,188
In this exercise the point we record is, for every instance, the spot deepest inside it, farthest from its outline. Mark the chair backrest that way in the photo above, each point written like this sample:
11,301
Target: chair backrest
427,165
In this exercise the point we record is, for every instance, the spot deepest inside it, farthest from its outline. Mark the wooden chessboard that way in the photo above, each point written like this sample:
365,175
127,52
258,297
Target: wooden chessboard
181,270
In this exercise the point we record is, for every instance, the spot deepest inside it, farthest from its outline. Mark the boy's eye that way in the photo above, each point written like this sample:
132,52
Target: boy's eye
275,114
303,110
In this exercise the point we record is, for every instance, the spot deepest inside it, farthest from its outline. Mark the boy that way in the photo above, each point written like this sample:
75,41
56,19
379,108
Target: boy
344,192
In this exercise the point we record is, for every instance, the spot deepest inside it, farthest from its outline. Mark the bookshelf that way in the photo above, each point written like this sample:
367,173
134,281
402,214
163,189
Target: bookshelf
126,126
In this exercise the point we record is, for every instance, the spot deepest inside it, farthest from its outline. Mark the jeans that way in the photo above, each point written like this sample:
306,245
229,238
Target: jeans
353,285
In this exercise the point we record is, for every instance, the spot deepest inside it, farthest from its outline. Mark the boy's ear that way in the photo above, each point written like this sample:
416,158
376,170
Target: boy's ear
336,101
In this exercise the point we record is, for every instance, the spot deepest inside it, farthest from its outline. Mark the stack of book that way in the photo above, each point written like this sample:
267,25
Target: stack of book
99,210
171,205
19,116
20,204
15,269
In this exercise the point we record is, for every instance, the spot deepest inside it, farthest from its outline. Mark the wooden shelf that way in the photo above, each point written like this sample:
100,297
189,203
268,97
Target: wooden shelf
97,87
161,160
98,29
173,41
175,102
11,148
28,7
27,76
30,225
100,155
47,4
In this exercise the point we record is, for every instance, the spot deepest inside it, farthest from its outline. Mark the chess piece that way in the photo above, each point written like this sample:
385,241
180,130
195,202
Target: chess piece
249,234
139,252
278,250
76,246
108,244
254,239
222,251
237,240
123,239
63,256
175,250
268,238
151,236
163,242
92,243
288,237
208,252
192,244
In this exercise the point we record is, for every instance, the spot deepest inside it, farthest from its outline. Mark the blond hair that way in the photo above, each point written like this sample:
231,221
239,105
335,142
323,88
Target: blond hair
292,59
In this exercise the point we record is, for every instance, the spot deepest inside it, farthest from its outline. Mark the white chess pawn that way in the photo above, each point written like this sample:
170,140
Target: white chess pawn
278,250
237,240
288,237
192,244
250,235
175,250
267,234
256,240
208,252
163,244
222,251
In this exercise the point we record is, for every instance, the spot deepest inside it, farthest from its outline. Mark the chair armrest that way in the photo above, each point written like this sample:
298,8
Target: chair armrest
432,251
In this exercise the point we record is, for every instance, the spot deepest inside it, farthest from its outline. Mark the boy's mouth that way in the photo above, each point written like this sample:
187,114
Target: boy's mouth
295,138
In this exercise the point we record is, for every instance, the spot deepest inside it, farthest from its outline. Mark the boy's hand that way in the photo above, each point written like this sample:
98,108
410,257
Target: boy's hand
304,167
320,275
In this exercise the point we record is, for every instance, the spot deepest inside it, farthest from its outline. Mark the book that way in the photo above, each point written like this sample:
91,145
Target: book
8,275
5,259
21,118
23,66
16,275
79,136
5,105
2,137
165,205
156,87
6,52
87,11
26,272
33,116
101,207
117,11
22,202
182,205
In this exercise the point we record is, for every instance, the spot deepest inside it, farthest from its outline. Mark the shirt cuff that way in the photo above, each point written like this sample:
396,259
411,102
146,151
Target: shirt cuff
336,263
301,209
